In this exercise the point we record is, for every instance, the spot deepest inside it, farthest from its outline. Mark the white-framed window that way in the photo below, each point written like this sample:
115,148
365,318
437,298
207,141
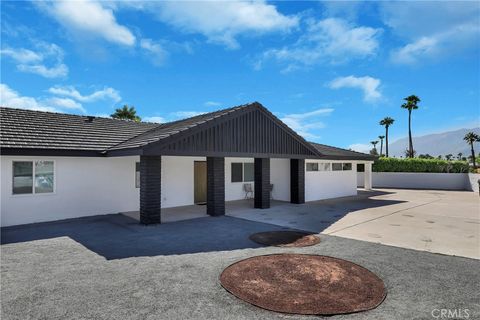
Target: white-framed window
242,172
137,174
347,166
312,166
336,166
33,177
324,166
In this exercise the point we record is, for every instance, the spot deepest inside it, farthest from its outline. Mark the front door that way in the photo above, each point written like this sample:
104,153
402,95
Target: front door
200,182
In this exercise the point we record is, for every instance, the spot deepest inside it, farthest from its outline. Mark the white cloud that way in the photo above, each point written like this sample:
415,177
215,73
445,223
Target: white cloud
154,119
89,18
305,124
212,104
65,103
36,61
360,147
367,84
219,21
155,51
330,40
445,28
185,114
11,98
70,91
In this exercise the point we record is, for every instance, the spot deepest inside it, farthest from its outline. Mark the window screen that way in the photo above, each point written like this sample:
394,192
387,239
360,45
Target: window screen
22,177
311,166
347,166
248,172
137,174
237,172
336,166
43,176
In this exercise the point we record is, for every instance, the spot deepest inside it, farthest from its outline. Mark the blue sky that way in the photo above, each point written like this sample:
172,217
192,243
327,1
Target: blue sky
330,70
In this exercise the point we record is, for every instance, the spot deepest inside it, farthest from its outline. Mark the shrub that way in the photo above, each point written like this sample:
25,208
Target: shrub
419,165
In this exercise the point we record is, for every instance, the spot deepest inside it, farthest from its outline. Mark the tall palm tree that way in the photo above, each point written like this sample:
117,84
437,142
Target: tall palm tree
471,138
459,156
386,122
410,104
381,144
126,113
374,143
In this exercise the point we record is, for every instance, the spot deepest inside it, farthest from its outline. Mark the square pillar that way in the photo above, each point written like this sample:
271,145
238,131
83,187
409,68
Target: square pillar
150,189
262,183
297,181
368,176
215,186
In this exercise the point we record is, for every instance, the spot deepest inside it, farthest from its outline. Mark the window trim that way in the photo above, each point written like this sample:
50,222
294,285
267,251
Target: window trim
54,192
243,172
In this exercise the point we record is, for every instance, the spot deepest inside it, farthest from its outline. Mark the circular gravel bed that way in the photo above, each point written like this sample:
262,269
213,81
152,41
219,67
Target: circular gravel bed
304,284
285,238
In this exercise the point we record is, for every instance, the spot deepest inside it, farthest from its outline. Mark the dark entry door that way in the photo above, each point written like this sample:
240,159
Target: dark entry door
200,182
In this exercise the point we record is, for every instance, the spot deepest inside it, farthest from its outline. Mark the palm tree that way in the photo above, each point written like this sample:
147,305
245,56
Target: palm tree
459,156
126,113
410,105
374,143
381,144
449,156
471,138
387,122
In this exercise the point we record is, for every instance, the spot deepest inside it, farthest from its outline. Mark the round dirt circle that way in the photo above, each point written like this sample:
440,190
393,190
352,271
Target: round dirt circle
304,284
285,238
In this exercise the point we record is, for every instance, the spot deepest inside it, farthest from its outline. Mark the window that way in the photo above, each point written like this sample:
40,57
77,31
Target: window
248,172
237,172
337,166
312,166
360,167
32,177
324,167
347,166
137,174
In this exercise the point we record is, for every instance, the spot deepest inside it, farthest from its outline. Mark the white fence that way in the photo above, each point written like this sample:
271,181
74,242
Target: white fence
413,180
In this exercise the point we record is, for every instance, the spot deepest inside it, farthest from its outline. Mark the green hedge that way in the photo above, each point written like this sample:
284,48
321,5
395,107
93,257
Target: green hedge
419,165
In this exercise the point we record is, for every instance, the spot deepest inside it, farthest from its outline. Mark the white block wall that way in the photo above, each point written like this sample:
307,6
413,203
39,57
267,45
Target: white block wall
83,187
321,185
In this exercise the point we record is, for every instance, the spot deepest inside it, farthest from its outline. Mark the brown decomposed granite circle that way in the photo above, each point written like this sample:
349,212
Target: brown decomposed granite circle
304,284
285,238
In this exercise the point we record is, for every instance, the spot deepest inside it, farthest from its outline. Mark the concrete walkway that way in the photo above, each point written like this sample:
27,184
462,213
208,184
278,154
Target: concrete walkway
446,222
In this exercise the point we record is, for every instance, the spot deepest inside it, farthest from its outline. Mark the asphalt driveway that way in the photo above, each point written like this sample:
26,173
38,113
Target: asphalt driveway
110,267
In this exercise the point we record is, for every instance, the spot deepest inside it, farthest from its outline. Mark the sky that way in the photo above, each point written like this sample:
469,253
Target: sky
329,70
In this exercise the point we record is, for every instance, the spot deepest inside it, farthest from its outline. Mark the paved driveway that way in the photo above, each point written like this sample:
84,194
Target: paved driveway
110,267
446,222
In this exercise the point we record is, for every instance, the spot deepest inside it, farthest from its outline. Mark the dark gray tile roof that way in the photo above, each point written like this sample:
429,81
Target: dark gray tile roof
334,153
47,130
27,129
168,129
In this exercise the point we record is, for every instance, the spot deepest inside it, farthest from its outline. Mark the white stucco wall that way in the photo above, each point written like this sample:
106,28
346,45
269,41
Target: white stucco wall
83,187
417,180
321,185
280,178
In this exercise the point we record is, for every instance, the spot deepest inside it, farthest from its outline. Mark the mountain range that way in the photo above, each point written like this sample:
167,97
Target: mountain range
436,144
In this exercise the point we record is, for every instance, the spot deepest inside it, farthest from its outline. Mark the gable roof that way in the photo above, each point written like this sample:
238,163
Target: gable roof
46,133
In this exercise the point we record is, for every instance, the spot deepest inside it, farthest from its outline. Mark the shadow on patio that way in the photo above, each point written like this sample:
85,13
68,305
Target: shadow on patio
119,236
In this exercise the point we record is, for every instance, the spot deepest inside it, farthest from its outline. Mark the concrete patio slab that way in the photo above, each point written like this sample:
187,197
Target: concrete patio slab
446,222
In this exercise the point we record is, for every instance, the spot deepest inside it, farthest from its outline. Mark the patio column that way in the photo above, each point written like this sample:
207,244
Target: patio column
368,176
216,186
297,181
150,189
262,183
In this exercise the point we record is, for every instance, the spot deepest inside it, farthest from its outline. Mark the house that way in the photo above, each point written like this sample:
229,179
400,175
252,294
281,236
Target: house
58,166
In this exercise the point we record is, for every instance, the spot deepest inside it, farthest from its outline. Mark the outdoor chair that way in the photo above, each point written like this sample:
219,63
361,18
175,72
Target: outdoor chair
247,187
271,191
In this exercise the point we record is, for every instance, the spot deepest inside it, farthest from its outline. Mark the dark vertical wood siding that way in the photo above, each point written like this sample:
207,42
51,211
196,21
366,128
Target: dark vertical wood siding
252,132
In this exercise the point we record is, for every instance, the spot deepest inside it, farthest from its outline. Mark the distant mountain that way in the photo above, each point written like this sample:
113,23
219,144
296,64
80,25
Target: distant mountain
436,144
